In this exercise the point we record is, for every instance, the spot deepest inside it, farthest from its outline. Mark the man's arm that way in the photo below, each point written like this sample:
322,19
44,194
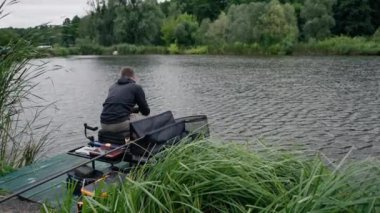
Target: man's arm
141,101
135,110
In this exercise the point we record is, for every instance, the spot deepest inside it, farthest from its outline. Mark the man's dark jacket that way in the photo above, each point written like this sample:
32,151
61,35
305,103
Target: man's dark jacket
122,97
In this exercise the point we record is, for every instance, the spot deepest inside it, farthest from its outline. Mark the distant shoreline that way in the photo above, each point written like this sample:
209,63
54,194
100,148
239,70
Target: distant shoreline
344,46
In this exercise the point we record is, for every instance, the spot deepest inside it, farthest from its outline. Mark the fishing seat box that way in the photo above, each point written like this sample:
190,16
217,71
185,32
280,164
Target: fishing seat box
112,178
82,176
117,138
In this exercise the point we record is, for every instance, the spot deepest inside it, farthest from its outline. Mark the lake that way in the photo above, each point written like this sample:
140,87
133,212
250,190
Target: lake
329,104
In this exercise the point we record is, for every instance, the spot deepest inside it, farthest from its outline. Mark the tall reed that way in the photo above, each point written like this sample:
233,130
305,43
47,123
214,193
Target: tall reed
22,133
209,177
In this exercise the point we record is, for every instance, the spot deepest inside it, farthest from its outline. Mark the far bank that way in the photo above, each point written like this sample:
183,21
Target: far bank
332,46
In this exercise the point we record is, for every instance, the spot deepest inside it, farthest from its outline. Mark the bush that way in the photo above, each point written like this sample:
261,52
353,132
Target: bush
210,177
173,49
197,50
376,35
128,49
5,169
181,30
155,50
61,51
239,48
87,47
342,45
92,49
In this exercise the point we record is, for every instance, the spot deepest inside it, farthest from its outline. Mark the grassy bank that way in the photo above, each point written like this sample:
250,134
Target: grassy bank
94,49
210,177
332,46
340,46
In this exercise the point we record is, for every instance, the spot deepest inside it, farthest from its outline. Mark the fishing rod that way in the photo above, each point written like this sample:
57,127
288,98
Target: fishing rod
38,183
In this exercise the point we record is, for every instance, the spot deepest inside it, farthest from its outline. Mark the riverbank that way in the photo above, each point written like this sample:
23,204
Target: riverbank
206,176
212,176
332,46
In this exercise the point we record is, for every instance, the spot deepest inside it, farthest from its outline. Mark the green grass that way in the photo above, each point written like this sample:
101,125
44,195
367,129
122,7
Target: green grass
128,49
21,139
210,177
5,169
342,45
23,127
94,49
199,50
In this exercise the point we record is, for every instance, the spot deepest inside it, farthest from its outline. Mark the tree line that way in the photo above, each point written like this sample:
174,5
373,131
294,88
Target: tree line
208,22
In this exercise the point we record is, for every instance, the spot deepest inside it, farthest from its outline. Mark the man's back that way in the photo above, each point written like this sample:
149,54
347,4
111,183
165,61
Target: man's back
122,97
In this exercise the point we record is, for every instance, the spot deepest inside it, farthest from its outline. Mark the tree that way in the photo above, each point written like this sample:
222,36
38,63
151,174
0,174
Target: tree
70,31
7,36
318,18
353,18
202,9
256,22
184,33
171,8
138,23
181,30
217,32
86,28
75,28
67,38
375,13
244,23
238,2
202,31
103,18
278,24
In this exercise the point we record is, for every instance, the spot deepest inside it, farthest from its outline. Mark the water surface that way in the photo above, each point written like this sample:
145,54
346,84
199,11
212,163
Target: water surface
328,104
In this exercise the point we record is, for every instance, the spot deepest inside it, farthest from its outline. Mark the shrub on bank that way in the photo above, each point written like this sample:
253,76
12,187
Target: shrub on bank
210,177
173,49
131,49
342,45
376,35
332,46
5,169
199,50
239,48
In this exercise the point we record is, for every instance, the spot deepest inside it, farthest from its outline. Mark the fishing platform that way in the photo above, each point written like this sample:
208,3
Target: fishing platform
48,181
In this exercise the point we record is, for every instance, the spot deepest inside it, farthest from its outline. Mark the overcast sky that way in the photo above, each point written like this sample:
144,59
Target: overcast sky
30,13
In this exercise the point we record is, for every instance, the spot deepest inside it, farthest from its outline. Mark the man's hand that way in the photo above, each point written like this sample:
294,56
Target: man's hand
135,110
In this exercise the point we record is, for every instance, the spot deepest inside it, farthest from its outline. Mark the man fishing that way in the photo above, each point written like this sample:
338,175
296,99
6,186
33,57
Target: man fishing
120,103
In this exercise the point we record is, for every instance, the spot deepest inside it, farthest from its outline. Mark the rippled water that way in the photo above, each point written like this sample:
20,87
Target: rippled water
320,103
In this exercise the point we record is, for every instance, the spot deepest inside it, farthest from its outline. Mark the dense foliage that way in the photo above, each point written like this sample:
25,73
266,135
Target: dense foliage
274,25
318,18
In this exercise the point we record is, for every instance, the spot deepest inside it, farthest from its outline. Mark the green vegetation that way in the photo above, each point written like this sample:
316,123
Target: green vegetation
220,27
5,169
340,46
318,19
354,17
23,133
207,176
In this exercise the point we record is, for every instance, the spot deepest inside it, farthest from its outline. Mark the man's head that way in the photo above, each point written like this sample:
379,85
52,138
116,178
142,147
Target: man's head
127,72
